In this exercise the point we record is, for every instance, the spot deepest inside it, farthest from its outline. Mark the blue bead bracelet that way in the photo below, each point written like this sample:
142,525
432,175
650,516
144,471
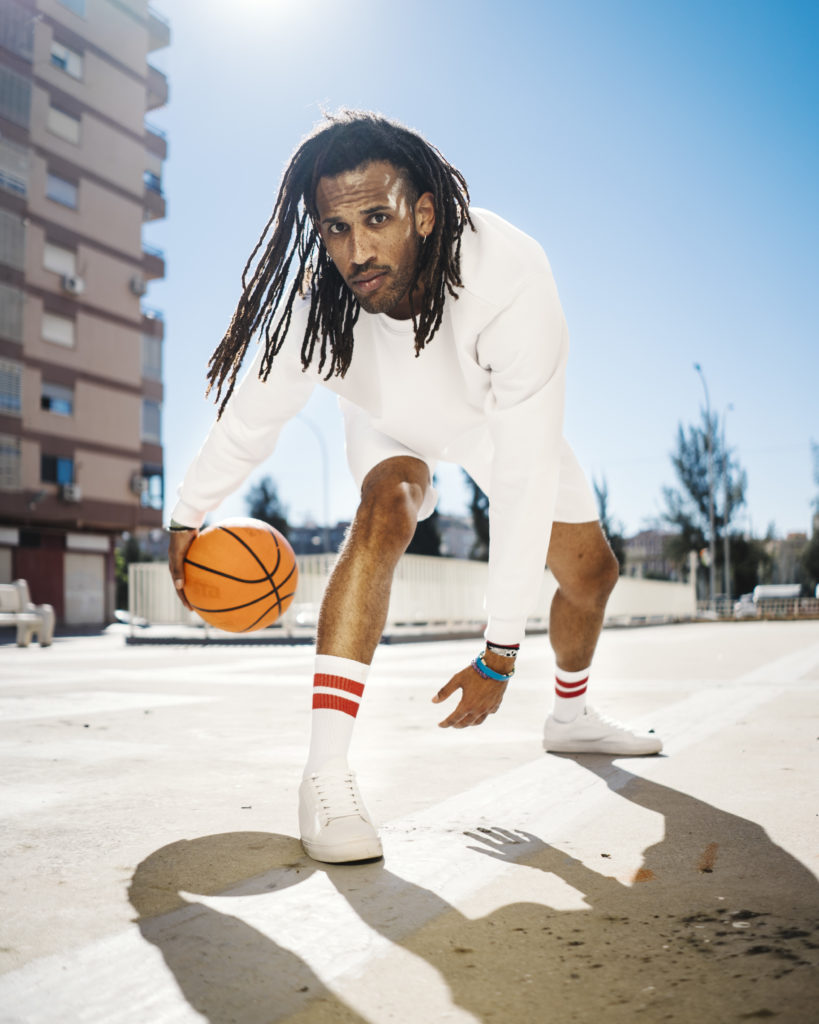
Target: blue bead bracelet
484,670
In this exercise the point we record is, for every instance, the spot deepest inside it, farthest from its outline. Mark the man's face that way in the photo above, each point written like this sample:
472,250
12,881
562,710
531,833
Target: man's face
372,231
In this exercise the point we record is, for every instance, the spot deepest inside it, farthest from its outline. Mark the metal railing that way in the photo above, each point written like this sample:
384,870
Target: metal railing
159,17
152,129
769,608
152,182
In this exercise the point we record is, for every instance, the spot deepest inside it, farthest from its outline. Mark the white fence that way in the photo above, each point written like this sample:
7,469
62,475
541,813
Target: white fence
428,594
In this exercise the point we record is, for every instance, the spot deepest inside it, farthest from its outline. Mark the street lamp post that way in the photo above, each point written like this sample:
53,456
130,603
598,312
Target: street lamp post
725,538
325,467
712,540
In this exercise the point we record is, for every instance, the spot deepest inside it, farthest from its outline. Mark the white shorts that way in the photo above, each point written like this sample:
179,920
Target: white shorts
366,447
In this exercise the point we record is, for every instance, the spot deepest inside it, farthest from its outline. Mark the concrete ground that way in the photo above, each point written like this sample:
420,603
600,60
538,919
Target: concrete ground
151,872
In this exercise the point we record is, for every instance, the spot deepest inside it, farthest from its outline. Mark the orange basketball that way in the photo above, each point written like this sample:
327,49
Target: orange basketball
240,574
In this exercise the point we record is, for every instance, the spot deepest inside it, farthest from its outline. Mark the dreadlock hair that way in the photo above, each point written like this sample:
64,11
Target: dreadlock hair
343,142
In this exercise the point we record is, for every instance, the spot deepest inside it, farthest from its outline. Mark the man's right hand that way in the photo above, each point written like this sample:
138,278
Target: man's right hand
179,542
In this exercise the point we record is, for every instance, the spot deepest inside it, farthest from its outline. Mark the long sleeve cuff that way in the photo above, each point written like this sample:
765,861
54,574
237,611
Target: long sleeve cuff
183,513
505,631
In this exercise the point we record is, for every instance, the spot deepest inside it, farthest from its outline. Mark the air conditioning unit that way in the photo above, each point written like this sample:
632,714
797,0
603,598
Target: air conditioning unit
73,284
71,493
138,285
138,484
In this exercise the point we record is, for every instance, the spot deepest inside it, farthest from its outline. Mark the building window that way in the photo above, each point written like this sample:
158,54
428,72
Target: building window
62,191
15,97
57,399
66,59
151,357
59,330
14,167
77,6
67,126
152,495
12,239
59,260
10,463
56,469
17,30
11,387
151,419
11,312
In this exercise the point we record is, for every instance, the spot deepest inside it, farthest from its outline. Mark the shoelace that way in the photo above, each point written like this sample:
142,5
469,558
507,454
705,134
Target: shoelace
612,723
605,720
338,795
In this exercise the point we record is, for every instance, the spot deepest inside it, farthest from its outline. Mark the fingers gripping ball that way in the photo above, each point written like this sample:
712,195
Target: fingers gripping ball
240,575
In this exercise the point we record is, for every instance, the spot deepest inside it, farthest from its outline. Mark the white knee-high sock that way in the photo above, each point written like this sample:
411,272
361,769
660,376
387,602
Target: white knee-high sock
338,686
570,694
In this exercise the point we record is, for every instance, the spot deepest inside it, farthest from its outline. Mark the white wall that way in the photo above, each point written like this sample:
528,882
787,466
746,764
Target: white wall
426,592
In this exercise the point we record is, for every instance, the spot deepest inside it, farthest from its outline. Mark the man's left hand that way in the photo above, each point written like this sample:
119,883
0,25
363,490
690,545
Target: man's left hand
479,697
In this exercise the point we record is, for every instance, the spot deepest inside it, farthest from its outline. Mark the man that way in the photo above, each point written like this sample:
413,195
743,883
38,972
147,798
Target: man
440,329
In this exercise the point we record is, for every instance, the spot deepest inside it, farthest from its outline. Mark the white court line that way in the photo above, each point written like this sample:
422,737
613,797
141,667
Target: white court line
428,851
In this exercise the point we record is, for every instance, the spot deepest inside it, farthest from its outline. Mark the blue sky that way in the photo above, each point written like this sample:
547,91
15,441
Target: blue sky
664,153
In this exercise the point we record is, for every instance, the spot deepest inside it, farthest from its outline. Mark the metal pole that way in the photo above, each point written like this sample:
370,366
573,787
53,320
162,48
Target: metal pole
325,466
726,540
712,578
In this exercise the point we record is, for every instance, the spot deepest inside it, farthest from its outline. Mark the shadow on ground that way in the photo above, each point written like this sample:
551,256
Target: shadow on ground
719,925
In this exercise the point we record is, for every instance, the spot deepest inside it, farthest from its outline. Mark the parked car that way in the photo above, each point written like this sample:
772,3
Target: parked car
750,605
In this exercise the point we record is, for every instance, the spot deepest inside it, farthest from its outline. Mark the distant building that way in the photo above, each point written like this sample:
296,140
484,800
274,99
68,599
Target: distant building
80,358
645,556
310,539
457,535
786,557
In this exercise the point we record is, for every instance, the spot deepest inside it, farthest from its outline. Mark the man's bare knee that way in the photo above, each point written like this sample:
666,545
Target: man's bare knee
391,497
583,564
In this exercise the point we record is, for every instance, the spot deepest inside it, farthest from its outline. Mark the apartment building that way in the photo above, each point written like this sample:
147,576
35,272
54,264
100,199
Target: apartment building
80,355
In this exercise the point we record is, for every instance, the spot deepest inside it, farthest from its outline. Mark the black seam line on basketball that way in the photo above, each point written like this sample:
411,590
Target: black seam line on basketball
252,626
248,629
238,607
269,572
226,576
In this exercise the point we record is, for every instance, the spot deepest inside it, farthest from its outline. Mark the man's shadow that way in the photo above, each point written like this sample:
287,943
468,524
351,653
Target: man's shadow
718,923
227,970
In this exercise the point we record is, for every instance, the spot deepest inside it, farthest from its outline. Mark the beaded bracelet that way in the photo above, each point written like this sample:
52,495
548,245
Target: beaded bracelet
486,672
503,650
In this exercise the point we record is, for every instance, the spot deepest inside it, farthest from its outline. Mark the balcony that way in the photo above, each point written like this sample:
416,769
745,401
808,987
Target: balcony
153,321
153,263
156,141
159,30
156,94
154,205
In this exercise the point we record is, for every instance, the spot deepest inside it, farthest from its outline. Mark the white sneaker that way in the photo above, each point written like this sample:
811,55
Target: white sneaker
591,733
335,826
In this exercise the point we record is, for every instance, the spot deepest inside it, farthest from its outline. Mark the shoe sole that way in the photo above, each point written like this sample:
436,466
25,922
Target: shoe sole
593,747
349,853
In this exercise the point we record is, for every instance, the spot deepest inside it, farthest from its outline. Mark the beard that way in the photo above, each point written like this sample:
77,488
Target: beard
398,284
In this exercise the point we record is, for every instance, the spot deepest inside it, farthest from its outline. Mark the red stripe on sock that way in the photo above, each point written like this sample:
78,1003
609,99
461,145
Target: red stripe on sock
338,683
573,686
569,696
333,703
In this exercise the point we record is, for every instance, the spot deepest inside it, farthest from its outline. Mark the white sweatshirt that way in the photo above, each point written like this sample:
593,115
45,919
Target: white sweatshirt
486,393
